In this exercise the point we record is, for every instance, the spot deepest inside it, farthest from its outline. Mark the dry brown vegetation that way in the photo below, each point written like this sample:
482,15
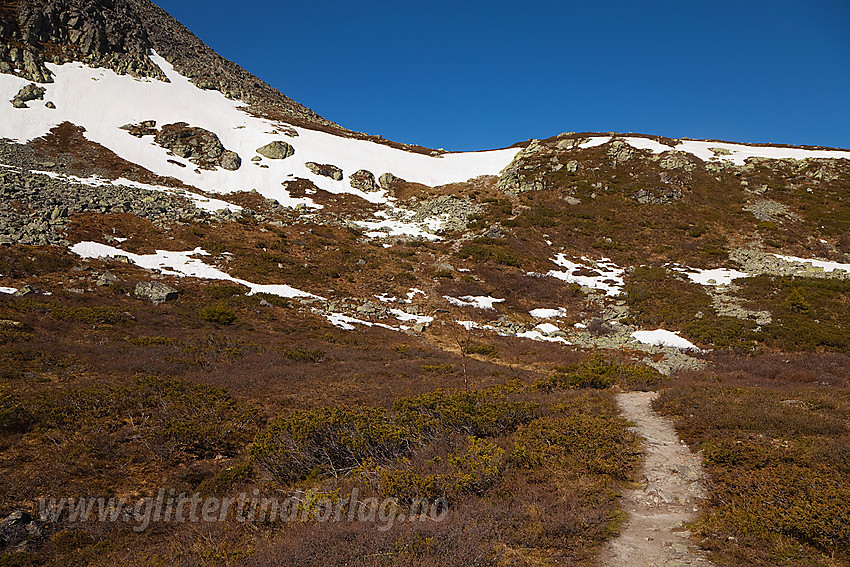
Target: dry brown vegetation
774,435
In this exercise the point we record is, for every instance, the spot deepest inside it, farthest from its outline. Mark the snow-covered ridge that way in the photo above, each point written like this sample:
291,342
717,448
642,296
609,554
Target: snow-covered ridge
101,101
738,153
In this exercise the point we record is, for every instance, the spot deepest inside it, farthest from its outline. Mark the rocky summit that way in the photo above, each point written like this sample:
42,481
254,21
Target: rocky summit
208,289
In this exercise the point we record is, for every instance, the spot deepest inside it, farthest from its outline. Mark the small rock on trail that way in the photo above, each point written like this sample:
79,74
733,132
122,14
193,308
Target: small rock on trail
654,534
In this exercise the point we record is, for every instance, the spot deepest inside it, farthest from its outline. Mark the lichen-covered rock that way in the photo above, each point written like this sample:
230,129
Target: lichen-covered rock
658,196
276,150
157,292
28,93
363,180
387,179
519,176
199,146
453,211
325,170
678,160
620,151
230,160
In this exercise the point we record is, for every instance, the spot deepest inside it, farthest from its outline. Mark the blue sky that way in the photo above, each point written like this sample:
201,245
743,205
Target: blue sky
478,75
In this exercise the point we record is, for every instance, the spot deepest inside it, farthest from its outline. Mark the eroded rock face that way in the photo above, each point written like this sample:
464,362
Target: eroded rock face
120,35
99,32
276,150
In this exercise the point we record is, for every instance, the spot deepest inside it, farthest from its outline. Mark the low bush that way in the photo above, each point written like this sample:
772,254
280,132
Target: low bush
218,313
330,440
338,440
599,372
583,443
300,354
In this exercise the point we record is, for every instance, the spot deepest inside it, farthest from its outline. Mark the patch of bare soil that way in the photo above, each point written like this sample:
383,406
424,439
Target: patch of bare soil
670,496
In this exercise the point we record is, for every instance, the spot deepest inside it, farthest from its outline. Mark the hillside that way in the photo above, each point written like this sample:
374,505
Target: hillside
206,286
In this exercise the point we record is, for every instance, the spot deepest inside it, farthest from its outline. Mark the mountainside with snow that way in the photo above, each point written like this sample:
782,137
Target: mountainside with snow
164,213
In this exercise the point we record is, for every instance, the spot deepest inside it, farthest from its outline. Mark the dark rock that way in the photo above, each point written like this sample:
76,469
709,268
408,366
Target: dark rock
325,169
230,160
363,180
658,196
28,93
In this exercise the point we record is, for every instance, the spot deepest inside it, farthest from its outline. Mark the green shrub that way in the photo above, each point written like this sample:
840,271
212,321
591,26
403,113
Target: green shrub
600,372
168,417
89,315
338,440
473,471
480,348
14,417
445,368
299,354
578,443
482,413
151,341
218,313
225,290
329,440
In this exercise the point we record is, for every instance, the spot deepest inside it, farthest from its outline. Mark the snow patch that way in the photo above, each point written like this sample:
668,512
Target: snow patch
717,276
548,313
477,301
738,153
661,337
102,101
547,328
827,266
183,264
609,280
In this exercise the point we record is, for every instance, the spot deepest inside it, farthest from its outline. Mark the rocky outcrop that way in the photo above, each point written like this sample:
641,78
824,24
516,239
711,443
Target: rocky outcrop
678,160
325,170
20,530
620,151
758,262
47,204
102,33
26,94
658,196
454,211
364,181
276,150
119,35
519,176
199,146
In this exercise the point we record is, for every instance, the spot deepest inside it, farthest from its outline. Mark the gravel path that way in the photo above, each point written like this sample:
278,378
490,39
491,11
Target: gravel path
671,494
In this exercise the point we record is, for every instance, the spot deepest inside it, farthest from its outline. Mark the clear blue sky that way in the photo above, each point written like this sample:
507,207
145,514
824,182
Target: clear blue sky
476,75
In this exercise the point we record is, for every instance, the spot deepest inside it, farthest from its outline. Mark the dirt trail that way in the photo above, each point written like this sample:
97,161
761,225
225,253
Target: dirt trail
673,489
